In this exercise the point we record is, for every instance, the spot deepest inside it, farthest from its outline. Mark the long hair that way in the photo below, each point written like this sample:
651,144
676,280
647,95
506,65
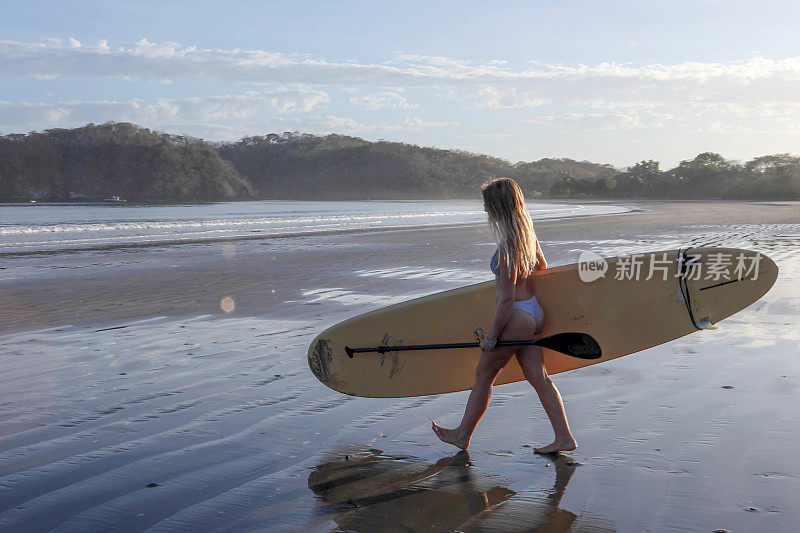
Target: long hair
511,225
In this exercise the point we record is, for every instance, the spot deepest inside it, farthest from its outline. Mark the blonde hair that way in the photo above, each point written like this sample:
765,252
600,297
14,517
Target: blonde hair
511,225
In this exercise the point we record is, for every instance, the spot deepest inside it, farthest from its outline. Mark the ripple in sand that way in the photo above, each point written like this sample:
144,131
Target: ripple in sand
75,428
453,275
350,298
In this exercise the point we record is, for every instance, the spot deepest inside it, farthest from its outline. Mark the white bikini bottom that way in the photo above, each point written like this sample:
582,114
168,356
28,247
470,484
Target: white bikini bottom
531,307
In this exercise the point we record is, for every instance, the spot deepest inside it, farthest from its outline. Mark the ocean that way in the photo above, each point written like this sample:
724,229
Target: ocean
69,227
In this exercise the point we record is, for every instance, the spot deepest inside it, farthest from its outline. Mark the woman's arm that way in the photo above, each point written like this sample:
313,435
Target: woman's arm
541,262
505,299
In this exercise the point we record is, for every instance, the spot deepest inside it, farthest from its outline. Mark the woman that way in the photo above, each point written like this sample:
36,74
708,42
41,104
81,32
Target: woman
517,316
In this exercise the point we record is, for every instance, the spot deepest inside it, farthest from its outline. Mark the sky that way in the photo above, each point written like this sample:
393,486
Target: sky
608,82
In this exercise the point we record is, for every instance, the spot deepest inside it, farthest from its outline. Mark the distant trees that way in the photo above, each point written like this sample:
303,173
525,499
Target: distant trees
95,162
294,165
772,176
708,175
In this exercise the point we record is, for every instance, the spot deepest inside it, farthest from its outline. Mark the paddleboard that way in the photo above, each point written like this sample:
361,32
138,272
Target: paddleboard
628,304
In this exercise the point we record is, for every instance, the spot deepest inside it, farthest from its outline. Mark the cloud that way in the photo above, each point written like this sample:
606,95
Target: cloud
352,126
382,100
709,96
495,136
792,129
721,127
594,121
169,60
183,110
495,97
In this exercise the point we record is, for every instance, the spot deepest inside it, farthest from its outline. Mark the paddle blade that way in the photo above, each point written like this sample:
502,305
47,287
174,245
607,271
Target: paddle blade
580,345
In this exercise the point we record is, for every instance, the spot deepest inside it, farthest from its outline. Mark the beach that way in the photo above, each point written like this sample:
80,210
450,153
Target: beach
166,387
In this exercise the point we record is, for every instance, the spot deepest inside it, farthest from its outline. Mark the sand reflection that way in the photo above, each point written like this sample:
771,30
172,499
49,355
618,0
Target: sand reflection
363,489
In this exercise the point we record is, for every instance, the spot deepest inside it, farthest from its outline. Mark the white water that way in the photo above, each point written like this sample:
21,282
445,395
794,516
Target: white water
52,227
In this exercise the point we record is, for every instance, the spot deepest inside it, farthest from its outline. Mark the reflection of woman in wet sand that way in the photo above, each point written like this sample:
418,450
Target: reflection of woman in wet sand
372,491
517,316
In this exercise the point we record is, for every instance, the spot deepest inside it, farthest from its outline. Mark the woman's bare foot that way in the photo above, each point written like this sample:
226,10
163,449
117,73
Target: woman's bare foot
566,445
450,436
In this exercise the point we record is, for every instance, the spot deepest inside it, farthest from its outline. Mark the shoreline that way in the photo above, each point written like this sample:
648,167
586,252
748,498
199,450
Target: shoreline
36,247
553,199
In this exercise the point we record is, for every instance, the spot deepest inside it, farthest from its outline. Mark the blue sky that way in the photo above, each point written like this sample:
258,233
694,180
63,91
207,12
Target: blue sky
610,82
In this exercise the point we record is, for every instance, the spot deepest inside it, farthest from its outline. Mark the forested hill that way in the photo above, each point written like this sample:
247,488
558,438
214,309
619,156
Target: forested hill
119,159
95,162
296,165
115,159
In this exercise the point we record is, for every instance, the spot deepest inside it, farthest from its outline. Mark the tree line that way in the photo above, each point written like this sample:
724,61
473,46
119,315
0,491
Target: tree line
303,166
708,175
140,165
115,159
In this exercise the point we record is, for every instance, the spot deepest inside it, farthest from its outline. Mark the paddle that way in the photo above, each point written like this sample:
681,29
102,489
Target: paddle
580,345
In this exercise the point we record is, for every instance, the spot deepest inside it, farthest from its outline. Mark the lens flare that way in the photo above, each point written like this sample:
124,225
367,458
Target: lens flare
227,304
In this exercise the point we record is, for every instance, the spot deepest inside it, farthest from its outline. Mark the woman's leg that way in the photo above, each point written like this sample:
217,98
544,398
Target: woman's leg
532,363
489,366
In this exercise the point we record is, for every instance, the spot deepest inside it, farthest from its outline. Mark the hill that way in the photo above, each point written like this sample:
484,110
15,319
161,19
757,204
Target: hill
303,166
95,162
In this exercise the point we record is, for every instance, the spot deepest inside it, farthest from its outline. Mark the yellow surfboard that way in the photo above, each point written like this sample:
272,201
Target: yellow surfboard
626,304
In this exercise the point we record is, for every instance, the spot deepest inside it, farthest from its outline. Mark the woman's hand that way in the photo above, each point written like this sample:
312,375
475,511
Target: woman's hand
488,344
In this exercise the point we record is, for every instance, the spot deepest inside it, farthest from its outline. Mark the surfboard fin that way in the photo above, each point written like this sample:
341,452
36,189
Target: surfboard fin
705,323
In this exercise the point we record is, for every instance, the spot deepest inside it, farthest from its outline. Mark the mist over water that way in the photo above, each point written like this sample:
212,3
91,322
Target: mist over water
31,227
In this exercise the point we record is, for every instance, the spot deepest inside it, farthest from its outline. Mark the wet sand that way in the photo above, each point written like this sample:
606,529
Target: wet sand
167,387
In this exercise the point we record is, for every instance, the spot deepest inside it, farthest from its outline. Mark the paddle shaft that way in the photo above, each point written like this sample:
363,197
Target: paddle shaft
410,347
579,345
